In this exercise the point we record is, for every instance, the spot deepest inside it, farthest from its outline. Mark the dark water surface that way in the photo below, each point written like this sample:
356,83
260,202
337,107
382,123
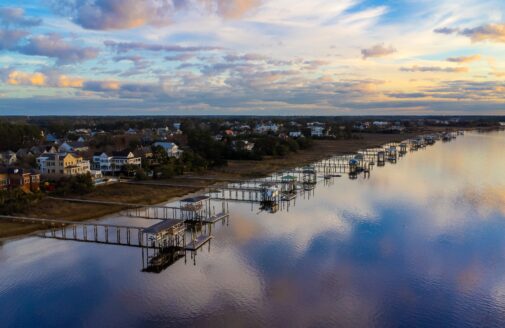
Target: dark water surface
419,243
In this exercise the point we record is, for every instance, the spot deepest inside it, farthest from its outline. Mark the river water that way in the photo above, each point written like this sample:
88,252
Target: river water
418,243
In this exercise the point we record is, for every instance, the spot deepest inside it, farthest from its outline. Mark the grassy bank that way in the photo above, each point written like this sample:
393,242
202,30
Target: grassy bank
155,194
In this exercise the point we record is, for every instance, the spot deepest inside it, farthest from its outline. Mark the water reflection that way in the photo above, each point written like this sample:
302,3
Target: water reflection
418,243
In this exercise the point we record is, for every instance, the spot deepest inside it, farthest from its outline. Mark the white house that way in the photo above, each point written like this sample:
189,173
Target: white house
170,148
317,131
380,124
295,134
264,128
62,164
115,162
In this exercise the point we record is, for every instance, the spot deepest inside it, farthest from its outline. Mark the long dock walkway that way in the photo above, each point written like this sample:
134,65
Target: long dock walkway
96,232
107,234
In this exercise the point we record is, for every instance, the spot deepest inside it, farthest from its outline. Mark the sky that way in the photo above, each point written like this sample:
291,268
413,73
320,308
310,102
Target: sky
252,57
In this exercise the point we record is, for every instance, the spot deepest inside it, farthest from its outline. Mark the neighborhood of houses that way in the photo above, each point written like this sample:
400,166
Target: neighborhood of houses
79,151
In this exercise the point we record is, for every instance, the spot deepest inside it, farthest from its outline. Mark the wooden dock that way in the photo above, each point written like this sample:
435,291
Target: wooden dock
209,220
198,242
92,232
150,212
117,235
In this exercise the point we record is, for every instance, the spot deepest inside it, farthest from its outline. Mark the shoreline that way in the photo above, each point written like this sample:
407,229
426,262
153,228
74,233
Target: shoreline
151,192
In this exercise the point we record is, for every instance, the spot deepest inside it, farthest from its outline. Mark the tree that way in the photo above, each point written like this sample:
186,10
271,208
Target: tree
16,201
129,169
15,136
79,184
205,146
140,174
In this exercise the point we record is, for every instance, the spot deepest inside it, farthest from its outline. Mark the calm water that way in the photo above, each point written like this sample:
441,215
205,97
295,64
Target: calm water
419,243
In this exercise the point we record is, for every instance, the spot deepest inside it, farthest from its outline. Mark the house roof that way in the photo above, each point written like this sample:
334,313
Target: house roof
162,226
164,144
122,153
53,156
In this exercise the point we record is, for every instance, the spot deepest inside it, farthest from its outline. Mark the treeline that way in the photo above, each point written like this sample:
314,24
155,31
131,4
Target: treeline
15,136
163,167
16,201
205,148
72,185
204,152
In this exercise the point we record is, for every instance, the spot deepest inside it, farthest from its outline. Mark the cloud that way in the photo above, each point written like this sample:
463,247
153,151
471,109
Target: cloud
488,32
40,79
128,14
446,30
464,59
245,57
16,16
315,64
416,68
10,38
140,64
9,17
116,14
231,9
64,81
407,95
22,78
134,59
120,47
100,86
54,46
465,89
379,50
180,57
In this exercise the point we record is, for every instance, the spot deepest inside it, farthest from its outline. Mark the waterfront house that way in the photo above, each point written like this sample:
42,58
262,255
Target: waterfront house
170,148
25,180
62,164
110,164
